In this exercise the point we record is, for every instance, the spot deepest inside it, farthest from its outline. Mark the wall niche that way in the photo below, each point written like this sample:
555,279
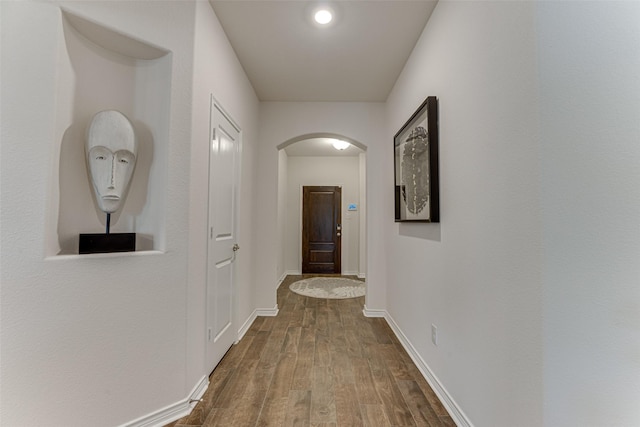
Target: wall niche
102,69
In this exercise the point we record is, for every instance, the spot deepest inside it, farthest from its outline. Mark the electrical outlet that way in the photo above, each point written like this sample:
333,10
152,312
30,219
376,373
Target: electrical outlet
434,334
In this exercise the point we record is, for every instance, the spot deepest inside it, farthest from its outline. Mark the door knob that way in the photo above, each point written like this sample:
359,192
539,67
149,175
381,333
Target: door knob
338,234
236,247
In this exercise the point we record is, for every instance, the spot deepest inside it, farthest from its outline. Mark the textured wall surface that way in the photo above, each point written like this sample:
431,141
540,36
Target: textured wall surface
217,72
532,276
590,163
342,171
110,338
477,274
85,335
281,122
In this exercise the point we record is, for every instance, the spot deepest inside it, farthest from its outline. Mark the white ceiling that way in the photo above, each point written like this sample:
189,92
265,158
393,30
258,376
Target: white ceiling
357,58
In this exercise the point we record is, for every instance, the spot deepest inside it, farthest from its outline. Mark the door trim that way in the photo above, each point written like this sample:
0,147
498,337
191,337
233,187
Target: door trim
214,104
338,247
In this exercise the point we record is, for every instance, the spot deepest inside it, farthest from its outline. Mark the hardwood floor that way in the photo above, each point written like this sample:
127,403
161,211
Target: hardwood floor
319,363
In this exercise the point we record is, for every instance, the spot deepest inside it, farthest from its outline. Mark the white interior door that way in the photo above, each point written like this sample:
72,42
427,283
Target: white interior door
224,156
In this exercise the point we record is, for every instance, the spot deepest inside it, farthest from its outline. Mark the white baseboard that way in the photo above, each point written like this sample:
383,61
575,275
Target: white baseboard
267,311
288,273
173,412
299,273
291,273
370,312
245,326
281,279
184,407
350,273
456,413
270,312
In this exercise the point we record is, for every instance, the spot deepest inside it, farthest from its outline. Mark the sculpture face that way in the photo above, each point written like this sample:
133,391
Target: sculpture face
111,150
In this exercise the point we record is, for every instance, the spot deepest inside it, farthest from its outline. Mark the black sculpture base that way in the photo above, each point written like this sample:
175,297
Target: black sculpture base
105,243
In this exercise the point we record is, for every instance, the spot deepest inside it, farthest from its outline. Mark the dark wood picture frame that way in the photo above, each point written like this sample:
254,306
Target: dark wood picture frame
415,166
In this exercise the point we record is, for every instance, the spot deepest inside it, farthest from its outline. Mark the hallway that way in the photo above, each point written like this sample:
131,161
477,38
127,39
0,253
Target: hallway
318,363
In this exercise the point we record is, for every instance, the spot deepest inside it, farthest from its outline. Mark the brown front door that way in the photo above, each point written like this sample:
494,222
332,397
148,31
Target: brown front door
321,229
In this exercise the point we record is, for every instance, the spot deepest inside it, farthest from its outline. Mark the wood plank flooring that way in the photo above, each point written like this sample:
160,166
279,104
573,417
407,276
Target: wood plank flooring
319,363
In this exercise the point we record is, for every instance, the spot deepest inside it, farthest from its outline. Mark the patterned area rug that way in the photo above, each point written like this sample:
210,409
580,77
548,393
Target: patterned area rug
329,287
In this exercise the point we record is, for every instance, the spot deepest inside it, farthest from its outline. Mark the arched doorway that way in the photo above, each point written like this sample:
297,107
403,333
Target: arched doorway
311,160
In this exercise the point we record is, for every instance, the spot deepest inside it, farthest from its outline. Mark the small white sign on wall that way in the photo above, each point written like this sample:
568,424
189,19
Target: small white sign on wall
352,207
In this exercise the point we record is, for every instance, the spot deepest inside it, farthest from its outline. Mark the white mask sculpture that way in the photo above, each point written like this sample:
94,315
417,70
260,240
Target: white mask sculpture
111,149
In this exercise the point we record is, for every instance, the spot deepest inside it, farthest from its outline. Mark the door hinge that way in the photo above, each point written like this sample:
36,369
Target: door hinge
211,233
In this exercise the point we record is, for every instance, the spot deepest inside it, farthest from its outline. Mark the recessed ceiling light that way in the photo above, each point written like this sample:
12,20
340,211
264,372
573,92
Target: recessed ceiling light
323,16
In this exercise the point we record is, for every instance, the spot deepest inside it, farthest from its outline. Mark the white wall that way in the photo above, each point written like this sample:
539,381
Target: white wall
281,122
86,335
96,72
218,72
477,274
283,179
305,171
112,337
589,63
532,274
362,159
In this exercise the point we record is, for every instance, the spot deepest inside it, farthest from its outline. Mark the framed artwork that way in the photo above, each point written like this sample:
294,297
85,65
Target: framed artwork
415,148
